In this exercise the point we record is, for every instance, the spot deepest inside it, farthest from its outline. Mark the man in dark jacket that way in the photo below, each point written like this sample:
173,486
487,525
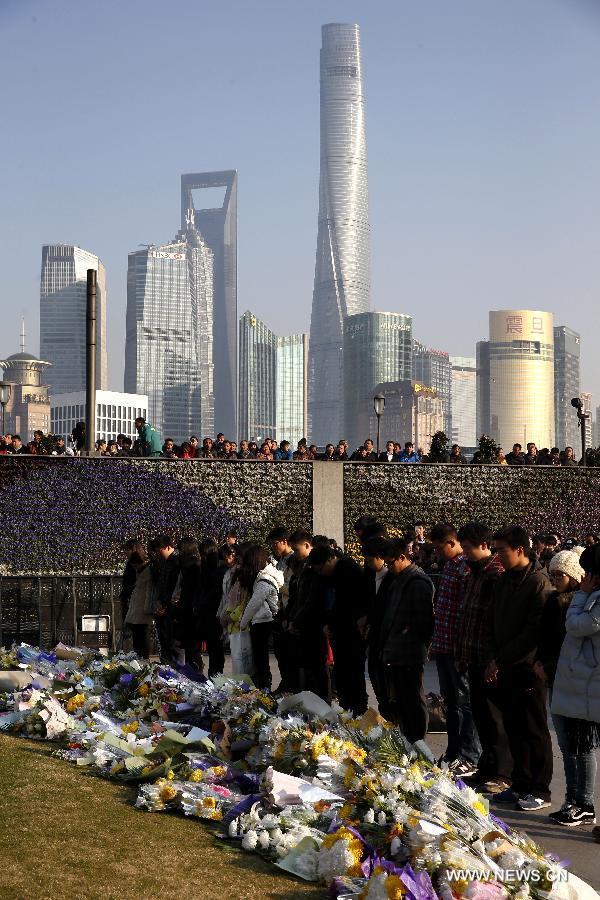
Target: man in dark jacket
516,456
484,569
513,624
378,580
344,603
165,572
389,454
304,620
127,585
404,638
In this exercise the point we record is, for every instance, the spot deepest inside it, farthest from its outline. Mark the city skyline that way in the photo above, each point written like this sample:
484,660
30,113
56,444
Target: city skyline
428,164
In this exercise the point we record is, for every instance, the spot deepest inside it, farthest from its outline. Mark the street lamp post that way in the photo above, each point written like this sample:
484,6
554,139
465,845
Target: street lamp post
577,402
378,406
5,392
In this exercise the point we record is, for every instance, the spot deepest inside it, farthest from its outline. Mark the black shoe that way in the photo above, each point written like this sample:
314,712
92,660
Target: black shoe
576,815
568,804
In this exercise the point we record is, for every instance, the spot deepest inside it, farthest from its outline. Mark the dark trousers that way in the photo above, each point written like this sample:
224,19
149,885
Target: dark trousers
521,698
405,700
463,741
314,672
495,760
349,672
285,647
210,633
141,638
259,635
164,631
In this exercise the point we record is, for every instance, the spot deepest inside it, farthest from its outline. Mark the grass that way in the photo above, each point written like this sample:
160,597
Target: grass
66,834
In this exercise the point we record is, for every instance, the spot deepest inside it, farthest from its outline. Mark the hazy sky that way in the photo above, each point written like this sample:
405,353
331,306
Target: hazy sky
482,126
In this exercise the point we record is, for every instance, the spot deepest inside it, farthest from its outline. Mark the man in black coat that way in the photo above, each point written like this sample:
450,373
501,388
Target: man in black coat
404,639
345,602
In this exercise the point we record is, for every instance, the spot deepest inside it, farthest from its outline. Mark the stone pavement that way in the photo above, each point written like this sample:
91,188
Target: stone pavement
574,845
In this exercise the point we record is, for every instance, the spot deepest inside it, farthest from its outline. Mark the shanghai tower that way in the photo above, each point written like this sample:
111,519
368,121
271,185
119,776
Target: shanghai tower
342,269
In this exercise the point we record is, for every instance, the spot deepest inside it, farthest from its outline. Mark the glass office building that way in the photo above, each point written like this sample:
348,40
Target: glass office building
292,388
258,379
377,348
218,227
169,340
464,401
521,377
273,397
63,306
432,368
567,353
342,269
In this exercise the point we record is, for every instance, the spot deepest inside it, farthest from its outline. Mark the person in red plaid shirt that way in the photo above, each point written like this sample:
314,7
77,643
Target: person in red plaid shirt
463,750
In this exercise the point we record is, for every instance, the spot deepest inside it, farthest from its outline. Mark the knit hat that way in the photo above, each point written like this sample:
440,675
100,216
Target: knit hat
567,562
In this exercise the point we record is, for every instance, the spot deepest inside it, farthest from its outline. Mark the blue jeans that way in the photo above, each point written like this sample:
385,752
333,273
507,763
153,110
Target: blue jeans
463,740
580,768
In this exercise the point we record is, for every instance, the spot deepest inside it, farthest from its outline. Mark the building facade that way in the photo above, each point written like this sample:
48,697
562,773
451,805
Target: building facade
218,227
377,348
115,413
258,380
567,360
413,412
432,368
169,336
521,377
28,407
63,306
342,284
292,388
484,425
464,401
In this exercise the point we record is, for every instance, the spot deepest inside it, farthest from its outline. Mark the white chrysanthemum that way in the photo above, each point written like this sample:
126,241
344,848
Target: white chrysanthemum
276,835
334,860
269,821
512,859
233,828
375,733
377,889
306,864
263,839
396,845
369,817
250,840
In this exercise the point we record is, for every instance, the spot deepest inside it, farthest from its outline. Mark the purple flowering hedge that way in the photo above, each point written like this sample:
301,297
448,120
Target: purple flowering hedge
540,498
71,516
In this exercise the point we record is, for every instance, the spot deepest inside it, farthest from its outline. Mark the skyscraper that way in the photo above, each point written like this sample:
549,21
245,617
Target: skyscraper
62,317
519,360
258,368
342,269
273,383
464,401
567,352
218,227
169,338
432,368
377,348
292,388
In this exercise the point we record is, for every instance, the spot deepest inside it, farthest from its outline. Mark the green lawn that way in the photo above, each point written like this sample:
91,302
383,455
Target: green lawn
65,834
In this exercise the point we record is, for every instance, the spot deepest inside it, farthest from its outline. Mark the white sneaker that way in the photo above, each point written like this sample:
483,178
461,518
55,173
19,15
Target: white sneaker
530,803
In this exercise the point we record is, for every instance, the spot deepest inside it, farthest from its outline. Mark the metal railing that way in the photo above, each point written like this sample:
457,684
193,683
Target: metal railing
44,610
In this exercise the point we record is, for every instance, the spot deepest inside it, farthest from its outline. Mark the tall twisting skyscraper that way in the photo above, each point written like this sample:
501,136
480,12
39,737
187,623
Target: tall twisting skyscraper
218,227
62,317
342,270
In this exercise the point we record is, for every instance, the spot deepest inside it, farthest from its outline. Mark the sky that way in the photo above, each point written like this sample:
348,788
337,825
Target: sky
482,127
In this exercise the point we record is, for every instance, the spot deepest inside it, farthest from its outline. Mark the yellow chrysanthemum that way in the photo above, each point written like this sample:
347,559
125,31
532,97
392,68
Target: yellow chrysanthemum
197,775
144,689
209,802
167,792
130,727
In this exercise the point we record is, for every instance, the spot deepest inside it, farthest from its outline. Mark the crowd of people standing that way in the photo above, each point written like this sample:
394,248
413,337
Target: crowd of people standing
508,621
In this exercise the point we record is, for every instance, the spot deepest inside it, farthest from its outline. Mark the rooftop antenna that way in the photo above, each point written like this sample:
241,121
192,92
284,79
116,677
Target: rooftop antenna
23,334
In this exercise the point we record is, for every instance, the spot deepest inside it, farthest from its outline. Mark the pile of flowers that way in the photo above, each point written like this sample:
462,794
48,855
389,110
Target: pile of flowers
326,798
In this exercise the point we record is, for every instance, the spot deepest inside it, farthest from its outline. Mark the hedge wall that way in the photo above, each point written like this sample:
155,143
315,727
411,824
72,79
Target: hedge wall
541,499
67,516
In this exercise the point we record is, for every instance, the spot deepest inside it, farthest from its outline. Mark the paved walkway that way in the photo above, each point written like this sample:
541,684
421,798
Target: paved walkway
574,845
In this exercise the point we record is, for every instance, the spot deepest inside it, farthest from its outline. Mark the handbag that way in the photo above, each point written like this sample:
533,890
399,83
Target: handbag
240,645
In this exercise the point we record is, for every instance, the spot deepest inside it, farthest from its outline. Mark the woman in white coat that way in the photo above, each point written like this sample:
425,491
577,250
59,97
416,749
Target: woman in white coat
263,581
